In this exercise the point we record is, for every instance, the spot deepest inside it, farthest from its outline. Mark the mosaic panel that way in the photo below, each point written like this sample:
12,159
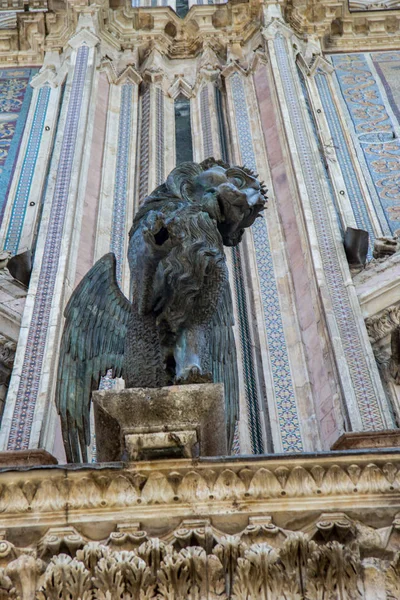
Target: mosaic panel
282,379
117,244
206,123
374,129
160,136
27,171
339,142
144,143
15,98
361,378
31,371
387,65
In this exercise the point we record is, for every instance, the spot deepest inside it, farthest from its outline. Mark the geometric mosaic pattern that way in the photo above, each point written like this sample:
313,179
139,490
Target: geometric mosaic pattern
15,98
144,143
206,123
368,404
38,328
27,171
118,229
374,130
160,136
339,142
288,419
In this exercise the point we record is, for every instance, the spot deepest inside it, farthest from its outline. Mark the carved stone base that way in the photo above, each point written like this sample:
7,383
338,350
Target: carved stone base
357,440
172,422
26,458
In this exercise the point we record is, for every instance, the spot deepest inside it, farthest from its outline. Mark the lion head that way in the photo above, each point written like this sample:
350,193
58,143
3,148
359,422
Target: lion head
232,196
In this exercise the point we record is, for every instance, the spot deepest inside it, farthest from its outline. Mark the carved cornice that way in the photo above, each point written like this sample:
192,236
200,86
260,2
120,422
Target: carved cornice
246,486
196,560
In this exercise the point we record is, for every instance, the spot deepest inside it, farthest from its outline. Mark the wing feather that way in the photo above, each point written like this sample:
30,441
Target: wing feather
93,341
223,359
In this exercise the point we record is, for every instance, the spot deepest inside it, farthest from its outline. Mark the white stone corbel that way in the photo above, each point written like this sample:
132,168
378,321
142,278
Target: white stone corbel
180,86
84,37
129,75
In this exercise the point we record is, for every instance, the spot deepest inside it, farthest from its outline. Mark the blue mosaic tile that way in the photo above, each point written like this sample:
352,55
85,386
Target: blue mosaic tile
118,228
15,98
354,191
160,136
374,131
27,171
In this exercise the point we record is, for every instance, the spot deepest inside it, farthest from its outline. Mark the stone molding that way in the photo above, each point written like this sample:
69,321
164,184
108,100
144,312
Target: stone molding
227,529
177,488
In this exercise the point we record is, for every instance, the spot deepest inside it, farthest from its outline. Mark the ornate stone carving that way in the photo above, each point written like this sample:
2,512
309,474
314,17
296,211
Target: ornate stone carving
237,567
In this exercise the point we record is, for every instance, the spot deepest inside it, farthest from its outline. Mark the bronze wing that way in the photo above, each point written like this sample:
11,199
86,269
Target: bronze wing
224,360
96,320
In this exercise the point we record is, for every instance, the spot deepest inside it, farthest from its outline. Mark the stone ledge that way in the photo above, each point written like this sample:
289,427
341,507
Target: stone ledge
26,458
360,440
219,488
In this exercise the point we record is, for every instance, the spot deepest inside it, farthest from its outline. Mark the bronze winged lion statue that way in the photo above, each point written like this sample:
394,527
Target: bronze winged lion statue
178,326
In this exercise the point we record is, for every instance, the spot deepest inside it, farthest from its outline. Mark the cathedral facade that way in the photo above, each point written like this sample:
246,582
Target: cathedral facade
99,101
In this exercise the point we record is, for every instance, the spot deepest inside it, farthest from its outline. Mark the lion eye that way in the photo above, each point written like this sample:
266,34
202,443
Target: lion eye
238,182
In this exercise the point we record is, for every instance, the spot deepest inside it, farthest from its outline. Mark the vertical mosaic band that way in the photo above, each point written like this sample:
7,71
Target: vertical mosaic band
27,171
288,418
361,378
31,371
206,123
144,144
160,169
117,243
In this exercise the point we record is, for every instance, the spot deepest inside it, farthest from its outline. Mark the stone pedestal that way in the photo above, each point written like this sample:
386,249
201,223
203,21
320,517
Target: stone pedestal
362,440
183,421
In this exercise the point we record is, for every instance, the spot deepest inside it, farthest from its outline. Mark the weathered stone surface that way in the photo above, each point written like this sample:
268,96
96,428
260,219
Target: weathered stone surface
146,422
358,440
26,458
